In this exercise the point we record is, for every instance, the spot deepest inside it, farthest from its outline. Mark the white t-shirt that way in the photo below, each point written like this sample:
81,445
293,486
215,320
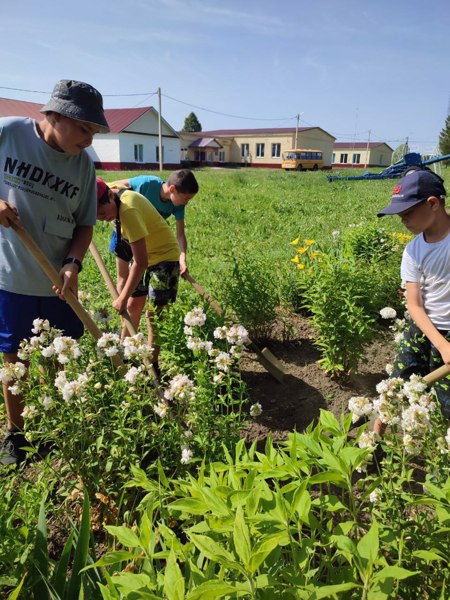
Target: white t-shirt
53,192
429,265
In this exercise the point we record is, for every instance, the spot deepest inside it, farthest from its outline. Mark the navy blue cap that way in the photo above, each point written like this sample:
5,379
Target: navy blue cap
414,188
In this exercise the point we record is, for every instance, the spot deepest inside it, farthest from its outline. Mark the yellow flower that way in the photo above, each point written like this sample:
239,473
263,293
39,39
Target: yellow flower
302,250
300,266
296,241
310,242
295,259
314,254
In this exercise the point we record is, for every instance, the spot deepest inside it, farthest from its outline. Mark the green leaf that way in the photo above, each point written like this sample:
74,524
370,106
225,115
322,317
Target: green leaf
193,506
393,573
15,593
62,568
210,548
173,579
216,588
428,556
112,558
81,552
40,555
327,591
241,537
263,548
125,535
367,547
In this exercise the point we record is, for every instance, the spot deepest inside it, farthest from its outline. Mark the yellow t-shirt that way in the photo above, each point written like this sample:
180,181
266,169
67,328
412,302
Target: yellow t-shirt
140,219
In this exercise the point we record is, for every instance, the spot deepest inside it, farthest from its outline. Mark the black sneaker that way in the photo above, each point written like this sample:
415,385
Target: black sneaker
11,452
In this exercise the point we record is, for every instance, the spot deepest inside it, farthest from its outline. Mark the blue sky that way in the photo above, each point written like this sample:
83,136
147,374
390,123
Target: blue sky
349,67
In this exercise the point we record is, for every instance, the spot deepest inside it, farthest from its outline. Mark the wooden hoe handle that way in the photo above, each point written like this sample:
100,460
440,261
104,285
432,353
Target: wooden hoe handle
55,279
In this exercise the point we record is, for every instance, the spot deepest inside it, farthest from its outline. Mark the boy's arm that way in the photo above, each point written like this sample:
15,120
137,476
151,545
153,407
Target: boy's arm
421,319
82,237
8,214
125,182
138,266
182,243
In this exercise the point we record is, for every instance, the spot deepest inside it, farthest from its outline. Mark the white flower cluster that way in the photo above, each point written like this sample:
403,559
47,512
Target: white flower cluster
41,342
70,389
196,344
133,374
101,316
66,349
403,403
223,361
29,412
12,372
195,318
359,406
181,389
388,313
108,344
186,455
255,409
135,346
235,334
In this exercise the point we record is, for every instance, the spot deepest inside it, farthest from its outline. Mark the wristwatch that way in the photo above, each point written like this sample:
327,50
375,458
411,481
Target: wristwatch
72,260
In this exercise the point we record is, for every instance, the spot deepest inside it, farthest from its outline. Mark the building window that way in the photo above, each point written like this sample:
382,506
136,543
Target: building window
344,158
276,150
356,159
259,150
157,153
245,150
381,159
139,153
221,156
333,157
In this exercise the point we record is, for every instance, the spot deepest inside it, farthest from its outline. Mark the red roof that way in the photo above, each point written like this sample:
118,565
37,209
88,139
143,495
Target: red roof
216,132
18,108
359,145
118,118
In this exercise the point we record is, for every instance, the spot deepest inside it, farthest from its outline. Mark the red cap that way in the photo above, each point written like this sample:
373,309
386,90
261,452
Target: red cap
102,189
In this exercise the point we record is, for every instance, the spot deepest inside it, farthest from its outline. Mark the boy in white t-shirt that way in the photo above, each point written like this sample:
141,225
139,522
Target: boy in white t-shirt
419,200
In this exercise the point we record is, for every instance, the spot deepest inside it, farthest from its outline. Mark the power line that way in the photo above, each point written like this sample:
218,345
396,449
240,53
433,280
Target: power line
149,94
226,114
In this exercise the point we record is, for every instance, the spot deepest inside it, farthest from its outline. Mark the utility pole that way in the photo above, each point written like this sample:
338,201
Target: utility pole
367,150
296,129
159,132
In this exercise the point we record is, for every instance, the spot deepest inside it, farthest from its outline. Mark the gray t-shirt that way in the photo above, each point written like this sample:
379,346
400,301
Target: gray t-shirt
53,192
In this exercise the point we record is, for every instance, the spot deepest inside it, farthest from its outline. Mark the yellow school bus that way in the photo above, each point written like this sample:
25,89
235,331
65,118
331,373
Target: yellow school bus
302,159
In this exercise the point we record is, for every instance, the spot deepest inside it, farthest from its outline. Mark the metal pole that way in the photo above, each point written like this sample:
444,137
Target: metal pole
367,150
296,132
159,132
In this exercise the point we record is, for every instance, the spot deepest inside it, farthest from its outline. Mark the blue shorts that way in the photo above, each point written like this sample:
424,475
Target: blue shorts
17,313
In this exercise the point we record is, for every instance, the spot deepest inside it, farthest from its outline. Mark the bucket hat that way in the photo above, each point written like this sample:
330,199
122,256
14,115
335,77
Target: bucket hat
77,100
415,187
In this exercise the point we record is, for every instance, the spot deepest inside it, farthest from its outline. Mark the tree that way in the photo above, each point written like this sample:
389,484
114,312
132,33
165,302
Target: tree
400,152
191,123
444,138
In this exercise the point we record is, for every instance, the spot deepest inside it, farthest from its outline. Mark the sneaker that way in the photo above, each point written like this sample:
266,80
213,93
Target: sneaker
11,452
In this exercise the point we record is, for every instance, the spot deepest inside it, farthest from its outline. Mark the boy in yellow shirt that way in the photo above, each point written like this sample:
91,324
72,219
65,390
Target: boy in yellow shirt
152,269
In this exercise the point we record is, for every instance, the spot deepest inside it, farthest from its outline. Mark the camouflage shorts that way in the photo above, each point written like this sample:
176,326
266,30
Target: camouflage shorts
159,283
417,354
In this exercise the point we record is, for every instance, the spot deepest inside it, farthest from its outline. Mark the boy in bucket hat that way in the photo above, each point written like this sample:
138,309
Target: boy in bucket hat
47,180
419,200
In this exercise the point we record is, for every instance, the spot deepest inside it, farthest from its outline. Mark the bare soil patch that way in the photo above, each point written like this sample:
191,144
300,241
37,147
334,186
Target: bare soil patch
306,389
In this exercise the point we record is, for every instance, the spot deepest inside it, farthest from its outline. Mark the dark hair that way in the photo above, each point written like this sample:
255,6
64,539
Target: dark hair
184,181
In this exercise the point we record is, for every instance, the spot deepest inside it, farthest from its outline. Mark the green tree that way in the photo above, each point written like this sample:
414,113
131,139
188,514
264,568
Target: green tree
191,123
444,137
